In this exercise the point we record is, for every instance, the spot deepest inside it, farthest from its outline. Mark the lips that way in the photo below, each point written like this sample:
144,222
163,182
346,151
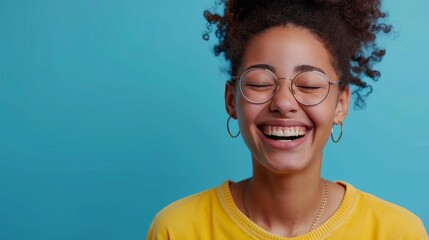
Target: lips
283,133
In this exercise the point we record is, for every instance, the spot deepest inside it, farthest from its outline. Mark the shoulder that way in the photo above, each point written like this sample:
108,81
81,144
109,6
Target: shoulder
189,216
386,217
191,204
378,208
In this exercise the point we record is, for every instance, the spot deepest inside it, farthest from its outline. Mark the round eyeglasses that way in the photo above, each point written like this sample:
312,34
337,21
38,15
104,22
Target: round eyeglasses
259,85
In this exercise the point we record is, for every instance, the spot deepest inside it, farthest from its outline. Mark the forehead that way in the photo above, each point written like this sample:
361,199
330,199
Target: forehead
284,48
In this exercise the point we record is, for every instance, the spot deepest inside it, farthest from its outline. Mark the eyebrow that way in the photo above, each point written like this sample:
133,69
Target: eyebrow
266,66
307,68
300,68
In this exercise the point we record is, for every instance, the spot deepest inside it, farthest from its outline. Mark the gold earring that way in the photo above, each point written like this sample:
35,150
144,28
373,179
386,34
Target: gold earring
229,131
341,133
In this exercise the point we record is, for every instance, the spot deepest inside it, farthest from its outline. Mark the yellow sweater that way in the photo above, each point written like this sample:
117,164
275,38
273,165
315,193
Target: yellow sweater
212,214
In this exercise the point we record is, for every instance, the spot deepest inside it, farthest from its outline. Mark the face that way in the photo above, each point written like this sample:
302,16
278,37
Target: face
305,129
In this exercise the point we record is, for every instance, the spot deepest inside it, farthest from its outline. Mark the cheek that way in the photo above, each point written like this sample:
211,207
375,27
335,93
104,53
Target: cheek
247,114
322,117
322,125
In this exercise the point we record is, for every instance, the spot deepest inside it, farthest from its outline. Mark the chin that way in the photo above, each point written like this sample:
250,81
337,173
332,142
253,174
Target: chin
284,164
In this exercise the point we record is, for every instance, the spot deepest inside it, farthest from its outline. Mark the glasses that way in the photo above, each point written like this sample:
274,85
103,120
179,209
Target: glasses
259,85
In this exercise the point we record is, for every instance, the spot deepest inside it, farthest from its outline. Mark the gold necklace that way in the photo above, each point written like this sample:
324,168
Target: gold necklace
316,219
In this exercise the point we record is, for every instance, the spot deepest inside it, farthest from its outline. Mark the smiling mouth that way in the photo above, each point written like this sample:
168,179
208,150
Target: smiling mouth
284,134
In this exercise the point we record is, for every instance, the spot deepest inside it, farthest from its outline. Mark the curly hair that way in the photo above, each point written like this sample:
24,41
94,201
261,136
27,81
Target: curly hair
348,30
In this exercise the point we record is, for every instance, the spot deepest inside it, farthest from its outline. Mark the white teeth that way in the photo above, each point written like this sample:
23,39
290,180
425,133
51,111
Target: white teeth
277,132
284,132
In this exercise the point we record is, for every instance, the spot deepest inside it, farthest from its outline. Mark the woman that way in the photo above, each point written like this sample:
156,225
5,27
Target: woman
291,66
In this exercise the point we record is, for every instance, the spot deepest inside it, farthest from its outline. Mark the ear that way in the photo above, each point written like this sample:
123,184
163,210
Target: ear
342,107
230,100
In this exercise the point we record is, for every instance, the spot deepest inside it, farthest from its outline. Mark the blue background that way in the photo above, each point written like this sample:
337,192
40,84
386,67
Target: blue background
109,110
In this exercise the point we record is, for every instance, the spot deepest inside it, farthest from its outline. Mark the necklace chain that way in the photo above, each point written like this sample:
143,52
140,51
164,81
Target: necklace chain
316,219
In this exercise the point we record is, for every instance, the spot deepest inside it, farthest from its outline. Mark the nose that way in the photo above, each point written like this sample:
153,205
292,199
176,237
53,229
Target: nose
283,100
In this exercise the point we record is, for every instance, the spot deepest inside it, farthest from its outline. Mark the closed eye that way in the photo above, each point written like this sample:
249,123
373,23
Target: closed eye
309,87
260,85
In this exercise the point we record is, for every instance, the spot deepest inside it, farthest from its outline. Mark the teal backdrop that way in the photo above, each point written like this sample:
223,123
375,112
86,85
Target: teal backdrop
110,110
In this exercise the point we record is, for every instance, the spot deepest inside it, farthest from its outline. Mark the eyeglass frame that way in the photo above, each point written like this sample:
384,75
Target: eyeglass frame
234,78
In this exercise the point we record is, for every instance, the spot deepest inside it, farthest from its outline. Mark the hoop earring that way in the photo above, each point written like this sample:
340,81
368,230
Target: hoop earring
341,133
229,131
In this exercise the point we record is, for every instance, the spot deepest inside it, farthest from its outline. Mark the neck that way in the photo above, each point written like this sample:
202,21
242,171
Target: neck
286,205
